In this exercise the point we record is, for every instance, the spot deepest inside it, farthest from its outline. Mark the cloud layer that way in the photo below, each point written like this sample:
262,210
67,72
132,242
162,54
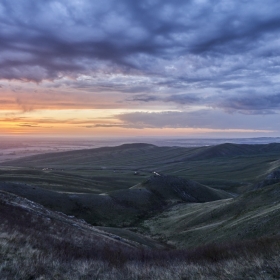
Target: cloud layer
218,56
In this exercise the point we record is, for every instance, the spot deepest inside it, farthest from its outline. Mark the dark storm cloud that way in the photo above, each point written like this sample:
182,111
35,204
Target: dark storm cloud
252,103
247,102
184,99
196,52
144,98
42,39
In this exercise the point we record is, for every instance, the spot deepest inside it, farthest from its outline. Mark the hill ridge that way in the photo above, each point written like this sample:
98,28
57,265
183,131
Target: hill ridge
181,154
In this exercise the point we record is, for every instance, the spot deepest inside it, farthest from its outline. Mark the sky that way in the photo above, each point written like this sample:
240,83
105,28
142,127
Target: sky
180,68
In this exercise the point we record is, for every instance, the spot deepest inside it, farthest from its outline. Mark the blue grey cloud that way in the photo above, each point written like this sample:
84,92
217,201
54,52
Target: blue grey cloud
215,54
207,118
70,37
251,103
182,99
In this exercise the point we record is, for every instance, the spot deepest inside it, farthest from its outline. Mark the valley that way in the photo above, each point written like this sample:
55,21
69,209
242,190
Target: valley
163,200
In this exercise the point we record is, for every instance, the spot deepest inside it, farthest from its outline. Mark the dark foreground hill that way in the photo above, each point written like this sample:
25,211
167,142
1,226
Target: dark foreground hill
36,243
22,213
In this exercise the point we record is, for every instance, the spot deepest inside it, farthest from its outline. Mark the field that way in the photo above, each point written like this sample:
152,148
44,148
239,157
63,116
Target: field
189,205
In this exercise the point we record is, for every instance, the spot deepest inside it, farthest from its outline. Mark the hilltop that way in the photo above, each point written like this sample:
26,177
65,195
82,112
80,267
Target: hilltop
145,152
173,188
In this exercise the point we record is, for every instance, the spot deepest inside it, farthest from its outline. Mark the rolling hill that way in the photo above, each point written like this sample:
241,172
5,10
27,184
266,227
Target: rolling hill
70,182
139,205
229,167
171,188
142,153
249,216
121,207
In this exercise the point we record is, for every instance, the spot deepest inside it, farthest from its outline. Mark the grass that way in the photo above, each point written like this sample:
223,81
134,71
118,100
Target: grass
65,252
234,168
147,231
156,204
120,208
38,266
251,215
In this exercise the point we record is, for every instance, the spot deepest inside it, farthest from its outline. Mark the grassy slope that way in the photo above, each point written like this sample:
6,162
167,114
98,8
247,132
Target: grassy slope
36,243
103,210
234,168
123,207
171,188
225,166
251,215
23,214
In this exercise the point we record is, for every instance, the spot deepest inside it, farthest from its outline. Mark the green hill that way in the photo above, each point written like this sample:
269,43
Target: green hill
219,205
249,216
171,188
36,243
229,167
121,207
